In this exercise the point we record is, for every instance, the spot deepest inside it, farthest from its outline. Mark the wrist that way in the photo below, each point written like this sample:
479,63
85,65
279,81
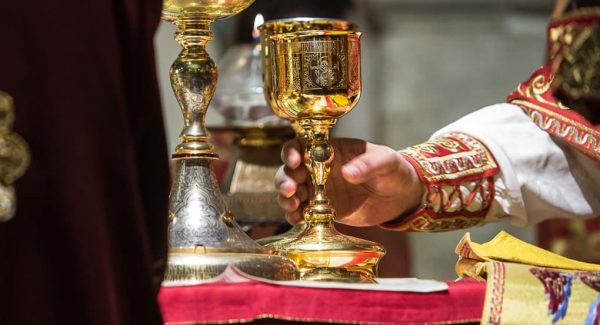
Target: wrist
415,190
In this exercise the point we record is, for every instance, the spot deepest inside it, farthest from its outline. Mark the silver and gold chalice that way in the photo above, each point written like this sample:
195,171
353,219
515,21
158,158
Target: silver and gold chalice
203,236
312,77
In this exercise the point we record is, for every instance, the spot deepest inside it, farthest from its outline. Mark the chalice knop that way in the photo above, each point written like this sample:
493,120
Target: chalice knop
313,78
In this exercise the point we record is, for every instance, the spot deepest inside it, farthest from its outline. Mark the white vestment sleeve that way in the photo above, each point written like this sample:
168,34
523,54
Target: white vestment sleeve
541,177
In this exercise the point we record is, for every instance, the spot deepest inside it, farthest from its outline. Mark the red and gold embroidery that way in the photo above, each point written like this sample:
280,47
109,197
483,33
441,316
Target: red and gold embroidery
458,171
497,293
451,158
536,98
572,69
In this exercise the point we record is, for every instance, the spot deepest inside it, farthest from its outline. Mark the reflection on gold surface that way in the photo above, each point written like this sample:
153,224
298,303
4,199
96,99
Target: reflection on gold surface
212,9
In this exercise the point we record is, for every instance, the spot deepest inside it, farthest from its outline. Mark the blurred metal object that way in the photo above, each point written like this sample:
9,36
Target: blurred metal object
580,70
239,97
312,76
14,158
248,187
203,235
574,52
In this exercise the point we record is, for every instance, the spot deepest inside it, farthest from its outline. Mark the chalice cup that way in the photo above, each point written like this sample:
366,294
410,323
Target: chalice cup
313,78
204,238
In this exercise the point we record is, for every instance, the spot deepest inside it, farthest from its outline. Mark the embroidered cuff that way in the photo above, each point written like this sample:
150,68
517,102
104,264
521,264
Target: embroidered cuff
458,171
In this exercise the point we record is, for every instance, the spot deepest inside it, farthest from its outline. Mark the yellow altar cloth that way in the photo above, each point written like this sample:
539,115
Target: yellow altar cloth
529,285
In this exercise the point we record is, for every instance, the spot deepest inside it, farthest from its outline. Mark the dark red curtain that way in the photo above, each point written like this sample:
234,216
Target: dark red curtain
88,243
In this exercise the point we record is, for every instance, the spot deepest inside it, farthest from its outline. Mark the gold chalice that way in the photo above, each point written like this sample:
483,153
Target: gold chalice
203,236
279,242
313,78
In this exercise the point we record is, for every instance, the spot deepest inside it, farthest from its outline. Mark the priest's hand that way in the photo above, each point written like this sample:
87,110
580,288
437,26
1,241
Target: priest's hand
369,184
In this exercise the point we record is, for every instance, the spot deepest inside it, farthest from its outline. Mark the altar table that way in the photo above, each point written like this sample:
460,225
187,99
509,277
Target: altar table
246,302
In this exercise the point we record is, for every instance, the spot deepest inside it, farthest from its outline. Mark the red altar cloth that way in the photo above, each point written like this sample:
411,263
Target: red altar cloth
244,302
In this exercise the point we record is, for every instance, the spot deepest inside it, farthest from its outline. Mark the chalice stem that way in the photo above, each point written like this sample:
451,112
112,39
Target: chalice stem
319,154
193,78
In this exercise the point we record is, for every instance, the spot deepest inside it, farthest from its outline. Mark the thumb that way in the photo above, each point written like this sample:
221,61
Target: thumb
376,162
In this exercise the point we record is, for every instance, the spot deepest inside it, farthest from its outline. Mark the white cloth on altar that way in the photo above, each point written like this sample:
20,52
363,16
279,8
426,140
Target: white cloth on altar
542,177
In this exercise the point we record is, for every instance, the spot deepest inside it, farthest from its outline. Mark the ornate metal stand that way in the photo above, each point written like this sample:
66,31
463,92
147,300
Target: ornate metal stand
203,235
248,187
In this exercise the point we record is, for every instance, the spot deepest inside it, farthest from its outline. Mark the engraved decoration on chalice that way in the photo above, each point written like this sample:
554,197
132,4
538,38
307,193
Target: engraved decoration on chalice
313,78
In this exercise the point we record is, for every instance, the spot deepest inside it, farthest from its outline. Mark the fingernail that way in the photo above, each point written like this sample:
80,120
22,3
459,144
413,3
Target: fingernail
352,170
288,188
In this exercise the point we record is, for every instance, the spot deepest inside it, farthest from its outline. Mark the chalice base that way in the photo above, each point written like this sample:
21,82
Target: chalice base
189,266
321,253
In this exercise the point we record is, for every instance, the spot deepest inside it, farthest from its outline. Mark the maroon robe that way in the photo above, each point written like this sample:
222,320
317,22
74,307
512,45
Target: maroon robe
88,242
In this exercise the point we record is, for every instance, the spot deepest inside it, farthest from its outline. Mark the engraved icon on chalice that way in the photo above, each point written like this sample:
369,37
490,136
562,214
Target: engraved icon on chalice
312,77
